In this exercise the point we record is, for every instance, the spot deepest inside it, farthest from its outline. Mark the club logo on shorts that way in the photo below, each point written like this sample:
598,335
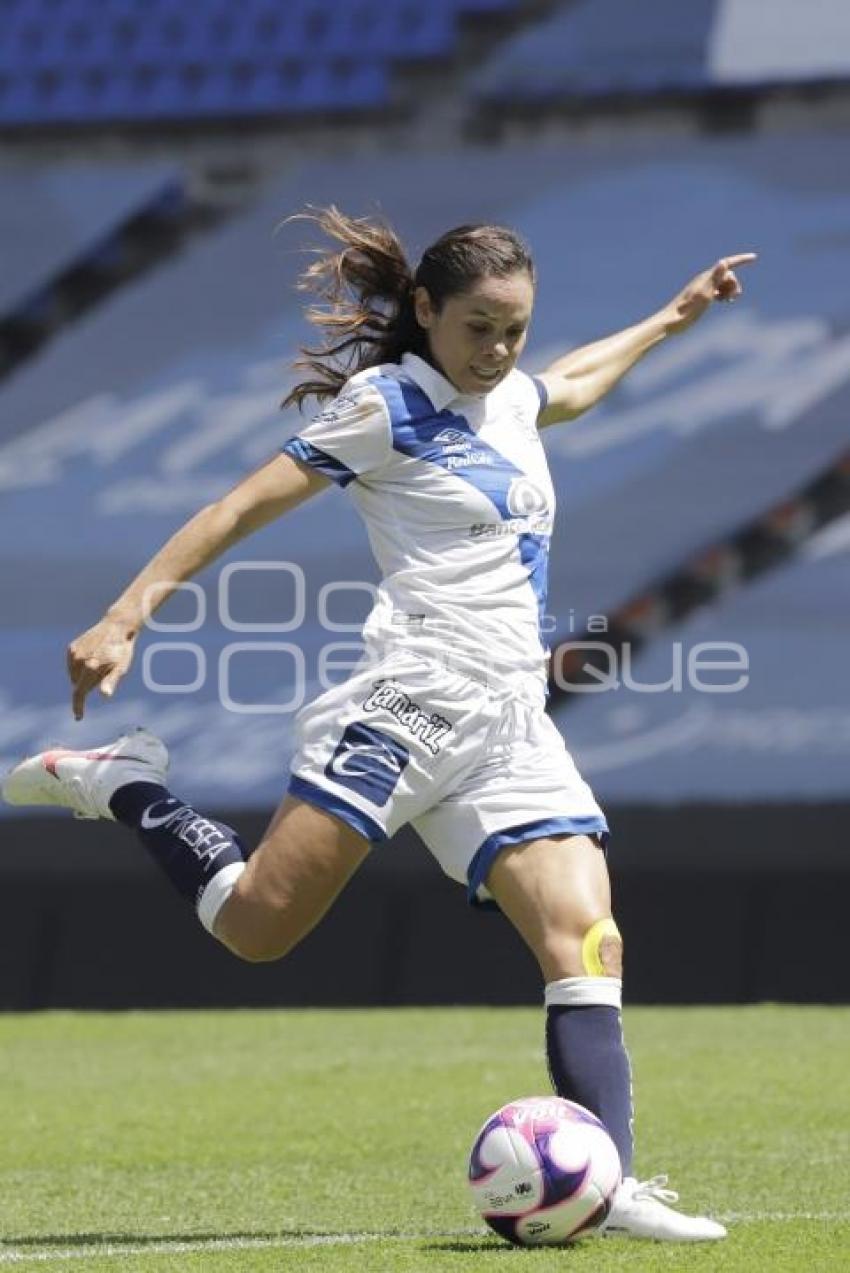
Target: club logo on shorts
429,728
368,761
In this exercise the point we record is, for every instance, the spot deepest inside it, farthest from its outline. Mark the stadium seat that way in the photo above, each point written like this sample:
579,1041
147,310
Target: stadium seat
401,31
80,61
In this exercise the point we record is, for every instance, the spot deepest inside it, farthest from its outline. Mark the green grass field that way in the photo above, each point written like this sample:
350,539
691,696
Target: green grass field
338,1140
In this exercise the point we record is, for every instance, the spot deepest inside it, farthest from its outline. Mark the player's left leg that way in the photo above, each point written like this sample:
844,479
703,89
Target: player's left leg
556,893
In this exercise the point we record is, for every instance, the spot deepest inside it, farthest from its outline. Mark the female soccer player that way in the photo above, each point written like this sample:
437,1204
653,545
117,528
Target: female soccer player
443,725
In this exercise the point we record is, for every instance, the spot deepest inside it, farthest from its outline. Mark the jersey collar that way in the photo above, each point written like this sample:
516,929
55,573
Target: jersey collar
432,382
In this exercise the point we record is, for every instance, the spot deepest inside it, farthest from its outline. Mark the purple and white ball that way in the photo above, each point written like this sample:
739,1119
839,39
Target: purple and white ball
543,1171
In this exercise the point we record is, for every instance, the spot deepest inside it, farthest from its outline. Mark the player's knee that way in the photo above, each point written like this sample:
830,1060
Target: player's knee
256,948
253,931
602,949
583,948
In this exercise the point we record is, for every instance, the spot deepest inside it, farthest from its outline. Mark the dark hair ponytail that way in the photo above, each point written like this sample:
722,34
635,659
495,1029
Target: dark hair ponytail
366,292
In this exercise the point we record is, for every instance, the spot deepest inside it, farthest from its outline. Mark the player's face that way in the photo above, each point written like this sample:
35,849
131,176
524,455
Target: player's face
477,336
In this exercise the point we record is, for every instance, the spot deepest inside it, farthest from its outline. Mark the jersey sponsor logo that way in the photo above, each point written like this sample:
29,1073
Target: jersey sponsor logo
430,728
516,526
470,457
337,408
459,449
526,498
368,761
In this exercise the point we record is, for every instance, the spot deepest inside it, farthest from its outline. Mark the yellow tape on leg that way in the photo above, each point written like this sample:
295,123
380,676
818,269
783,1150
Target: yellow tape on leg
591,947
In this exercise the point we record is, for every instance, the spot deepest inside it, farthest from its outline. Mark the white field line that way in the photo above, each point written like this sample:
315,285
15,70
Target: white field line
106,1250
782,1217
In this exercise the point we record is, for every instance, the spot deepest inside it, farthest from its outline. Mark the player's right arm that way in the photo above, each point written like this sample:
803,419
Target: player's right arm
102,655
581,378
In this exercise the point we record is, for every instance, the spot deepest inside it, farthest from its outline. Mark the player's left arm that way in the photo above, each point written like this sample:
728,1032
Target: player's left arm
582,377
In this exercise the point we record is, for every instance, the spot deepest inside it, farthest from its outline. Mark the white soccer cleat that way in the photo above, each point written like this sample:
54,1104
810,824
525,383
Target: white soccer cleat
85,781
640,1211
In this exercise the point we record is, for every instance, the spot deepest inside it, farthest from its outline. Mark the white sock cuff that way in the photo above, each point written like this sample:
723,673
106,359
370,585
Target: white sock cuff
585,992
217,892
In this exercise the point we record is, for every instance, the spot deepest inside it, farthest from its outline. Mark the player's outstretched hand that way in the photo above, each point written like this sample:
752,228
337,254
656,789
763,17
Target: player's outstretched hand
99,656
718,283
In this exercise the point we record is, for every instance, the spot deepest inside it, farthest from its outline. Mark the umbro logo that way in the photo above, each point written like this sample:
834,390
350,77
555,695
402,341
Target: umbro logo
453,437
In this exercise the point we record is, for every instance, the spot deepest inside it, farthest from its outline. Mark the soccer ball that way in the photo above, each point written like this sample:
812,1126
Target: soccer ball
543,1171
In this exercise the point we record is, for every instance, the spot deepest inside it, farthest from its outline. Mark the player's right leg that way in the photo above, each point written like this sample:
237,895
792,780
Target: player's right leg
260,908
302,863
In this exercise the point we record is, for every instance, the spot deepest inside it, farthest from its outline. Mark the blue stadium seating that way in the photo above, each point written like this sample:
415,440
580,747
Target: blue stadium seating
89,60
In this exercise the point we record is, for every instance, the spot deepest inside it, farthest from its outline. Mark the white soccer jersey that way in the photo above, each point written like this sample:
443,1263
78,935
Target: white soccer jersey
458,503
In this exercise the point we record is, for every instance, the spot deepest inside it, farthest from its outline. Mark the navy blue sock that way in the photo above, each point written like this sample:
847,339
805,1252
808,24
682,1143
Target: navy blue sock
588,1063
189,848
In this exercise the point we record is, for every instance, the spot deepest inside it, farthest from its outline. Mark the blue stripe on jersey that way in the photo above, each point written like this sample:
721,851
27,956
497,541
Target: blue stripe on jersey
416,427
323,463
542,392
534,554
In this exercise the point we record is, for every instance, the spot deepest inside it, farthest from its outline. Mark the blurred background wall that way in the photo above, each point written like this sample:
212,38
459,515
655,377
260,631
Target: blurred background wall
149,152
